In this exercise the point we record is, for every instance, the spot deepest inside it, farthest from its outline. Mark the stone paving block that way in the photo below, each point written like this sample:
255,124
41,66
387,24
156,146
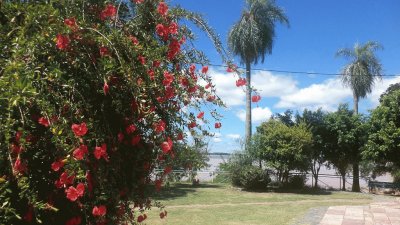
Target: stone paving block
352,222
394,219
335,212
378,210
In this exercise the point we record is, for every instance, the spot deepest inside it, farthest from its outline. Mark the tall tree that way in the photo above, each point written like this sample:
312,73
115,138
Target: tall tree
284,148
251,38
316,124
383,145
347,137
360,75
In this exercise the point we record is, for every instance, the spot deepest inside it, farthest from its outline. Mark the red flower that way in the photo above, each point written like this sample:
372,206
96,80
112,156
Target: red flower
70,22
168,78
255,98
158,184
142,59
65,179
204,69
138,1
241,82
74,193
56,166
211,98
167,170
208,86
169,92
101,152
162,215
104,51
218,125
120,137
80,152
16,149
134,40
100,210
151,74
79,129
18,136
192,125
160,126
231,68
161,31
19,166
192,68
162,9
130,129
166,146
43,121
173,28
139,81
156,63
80,188
200,115
74,221
140,219
184,81
179,137
109,11
135,140
106,88
62,42
174,48
28,217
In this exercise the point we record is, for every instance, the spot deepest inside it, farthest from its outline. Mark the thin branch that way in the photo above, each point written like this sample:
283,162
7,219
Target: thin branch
108,40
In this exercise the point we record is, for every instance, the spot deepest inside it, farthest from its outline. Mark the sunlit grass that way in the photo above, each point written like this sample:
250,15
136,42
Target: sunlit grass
222,204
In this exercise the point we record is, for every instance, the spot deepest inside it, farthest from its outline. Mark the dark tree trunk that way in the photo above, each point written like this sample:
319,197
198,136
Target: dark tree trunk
356,178
343,181
356,169
248,104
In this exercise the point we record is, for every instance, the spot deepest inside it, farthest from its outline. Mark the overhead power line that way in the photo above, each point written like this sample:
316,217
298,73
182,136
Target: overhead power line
298,72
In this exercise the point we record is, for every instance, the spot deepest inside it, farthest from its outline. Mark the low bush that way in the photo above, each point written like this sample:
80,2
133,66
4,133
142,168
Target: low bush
253,178
296,182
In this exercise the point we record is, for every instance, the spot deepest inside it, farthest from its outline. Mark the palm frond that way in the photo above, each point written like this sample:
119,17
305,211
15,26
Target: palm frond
363,70
251,38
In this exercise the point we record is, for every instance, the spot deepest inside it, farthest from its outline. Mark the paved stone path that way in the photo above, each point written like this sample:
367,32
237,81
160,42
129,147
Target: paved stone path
376,213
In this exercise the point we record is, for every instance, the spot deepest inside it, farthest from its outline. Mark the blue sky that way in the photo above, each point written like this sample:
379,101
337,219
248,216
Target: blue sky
317,30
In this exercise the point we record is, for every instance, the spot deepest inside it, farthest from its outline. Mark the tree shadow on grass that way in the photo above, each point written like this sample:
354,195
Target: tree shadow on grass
304,191
178,190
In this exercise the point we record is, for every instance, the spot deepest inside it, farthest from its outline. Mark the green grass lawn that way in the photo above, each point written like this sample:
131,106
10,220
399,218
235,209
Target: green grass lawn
223,204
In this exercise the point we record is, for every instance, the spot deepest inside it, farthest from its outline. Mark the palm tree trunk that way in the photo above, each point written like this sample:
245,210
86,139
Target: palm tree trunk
248,104
355,99
356,169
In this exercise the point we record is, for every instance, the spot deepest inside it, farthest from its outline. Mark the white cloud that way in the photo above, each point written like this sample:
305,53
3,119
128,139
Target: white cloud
233,136
268,85
326,95
217,137
329,94
258,114
379,88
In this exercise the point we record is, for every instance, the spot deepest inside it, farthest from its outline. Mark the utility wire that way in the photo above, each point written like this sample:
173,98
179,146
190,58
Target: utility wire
298,72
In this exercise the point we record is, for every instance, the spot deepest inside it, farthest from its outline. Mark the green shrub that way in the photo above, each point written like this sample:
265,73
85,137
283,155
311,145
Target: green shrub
296,182
253,178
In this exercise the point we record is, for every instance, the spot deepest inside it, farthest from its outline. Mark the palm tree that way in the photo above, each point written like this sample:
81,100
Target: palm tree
251,38
360,75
